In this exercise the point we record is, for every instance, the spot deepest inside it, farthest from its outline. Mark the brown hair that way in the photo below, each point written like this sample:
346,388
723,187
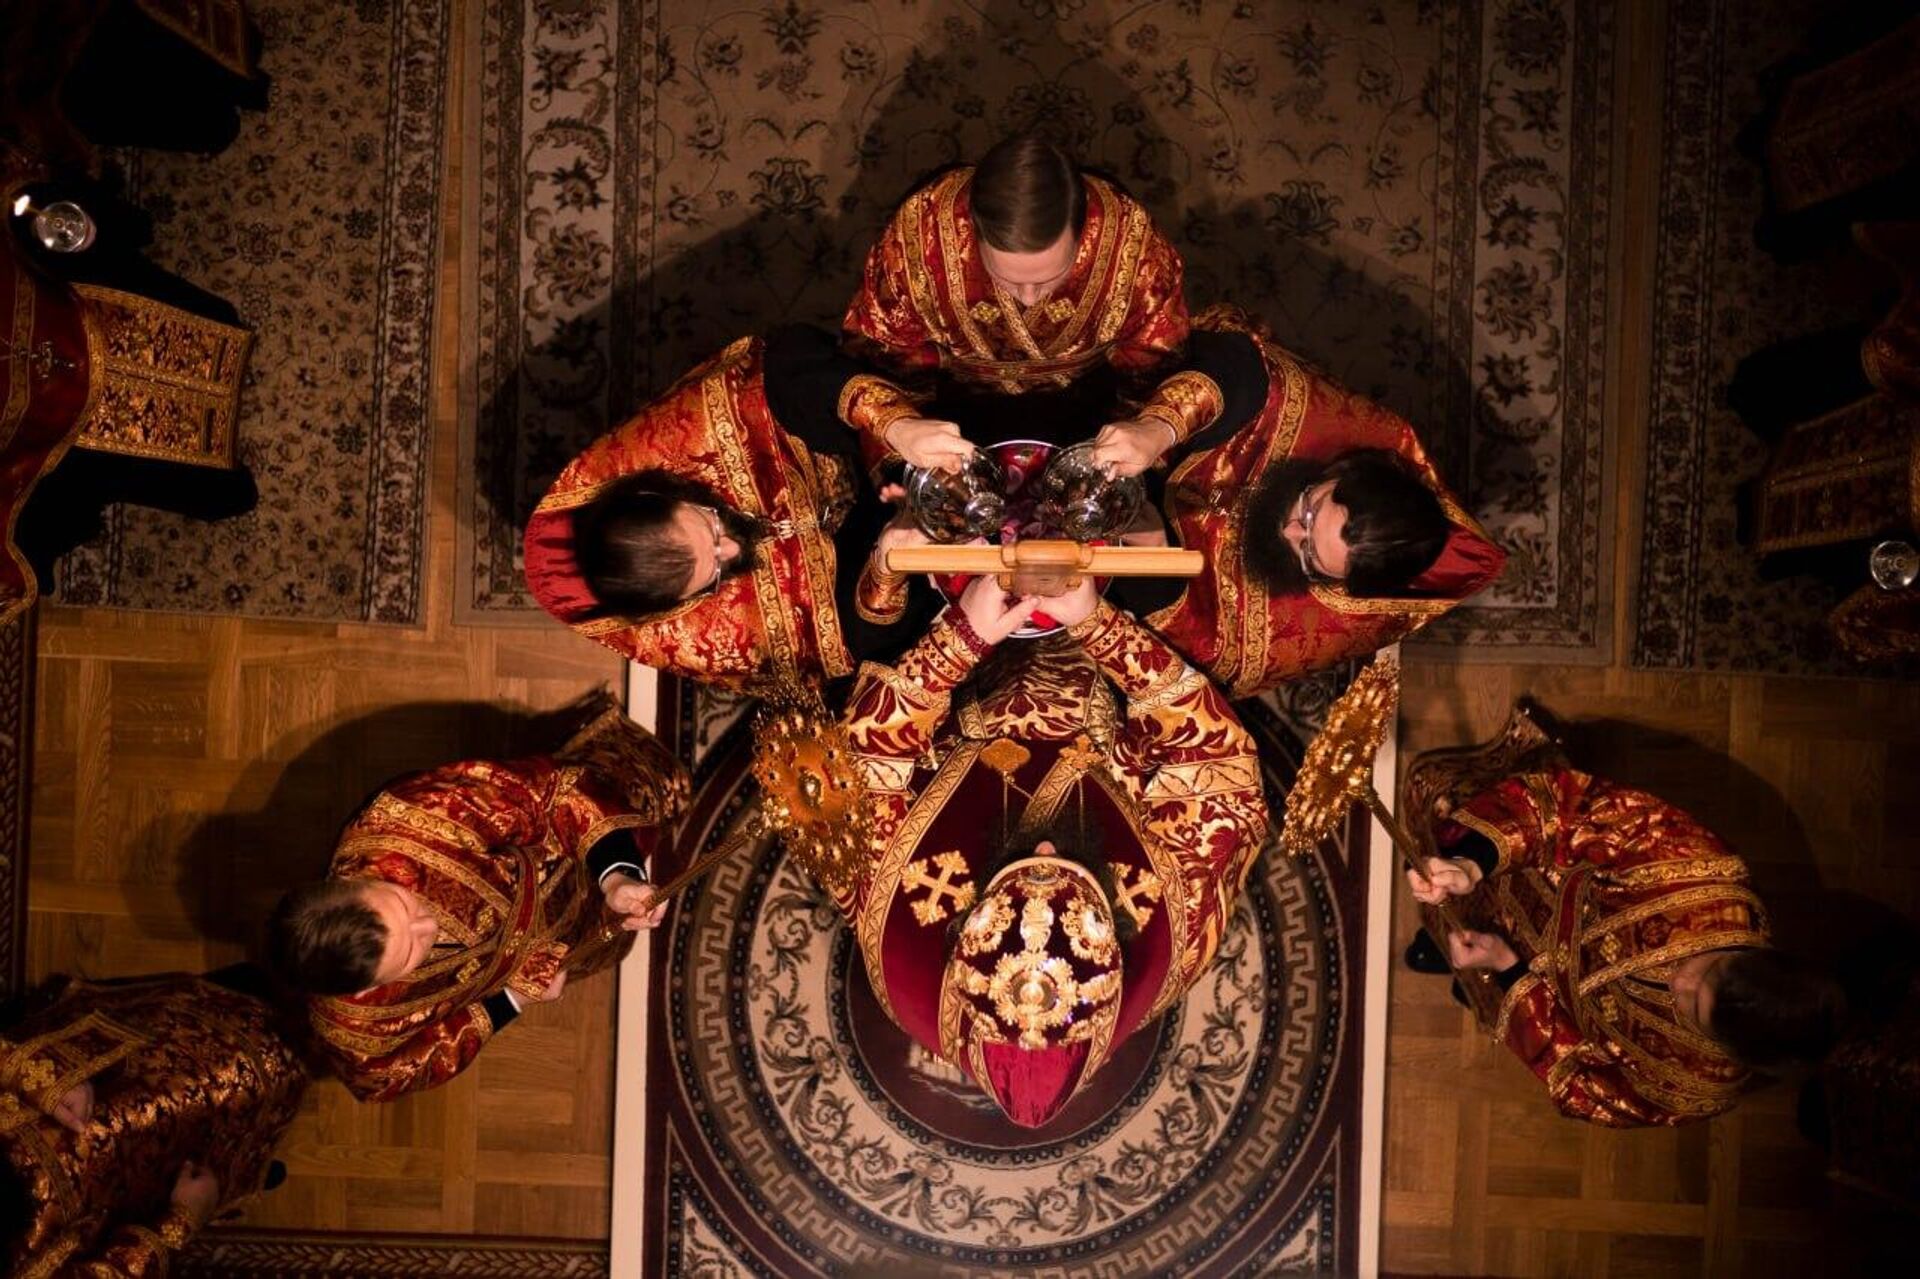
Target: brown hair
324,939
1774,1011
1026,192
629,553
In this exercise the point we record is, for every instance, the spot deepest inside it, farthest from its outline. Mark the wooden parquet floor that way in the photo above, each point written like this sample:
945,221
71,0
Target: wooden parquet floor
187,769
1812,782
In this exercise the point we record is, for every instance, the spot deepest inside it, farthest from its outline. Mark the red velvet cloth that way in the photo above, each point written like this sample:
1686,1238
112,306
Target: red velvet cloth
1033,1085
553,574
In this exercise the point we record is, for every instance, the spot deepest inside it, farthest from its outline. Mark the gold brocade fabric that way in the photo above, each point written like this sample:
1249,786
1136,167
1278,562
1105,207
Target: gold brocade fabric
169,381
497,850
1849,474
956,751
181,1069
1602,890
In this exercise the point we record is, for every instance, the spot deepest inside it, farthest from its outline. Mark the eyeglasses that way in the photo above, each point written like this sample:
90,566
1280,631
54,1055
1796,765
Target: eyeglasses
1309,561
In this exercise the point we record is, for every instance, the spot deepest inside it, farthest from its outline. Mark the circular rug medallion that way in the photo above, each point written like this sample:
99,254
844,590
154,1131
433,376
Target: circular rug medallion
809,1135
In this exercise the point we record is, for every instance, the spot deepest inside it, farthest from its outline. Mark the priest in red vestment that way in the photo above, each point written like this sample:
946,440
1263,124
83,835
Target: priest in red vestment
1327,532
130,1113
461,894
1639,982
1059,832
718,534
1016,297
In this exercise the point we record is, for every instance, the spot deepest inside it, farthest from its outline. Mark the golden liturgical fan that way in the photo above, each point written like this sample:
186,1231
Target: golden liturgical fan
810,793
1338,768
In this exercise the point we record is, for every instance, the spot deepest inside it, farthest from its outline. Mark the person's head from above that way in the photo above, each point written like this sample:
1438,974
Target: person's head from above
1364,520
650,540
1769,1010
1028,204
346,936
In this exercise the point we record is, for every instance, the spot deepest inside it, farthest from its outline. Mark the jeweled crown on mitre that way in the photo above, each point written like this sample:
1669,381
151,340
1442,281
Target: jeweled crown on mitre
1031,990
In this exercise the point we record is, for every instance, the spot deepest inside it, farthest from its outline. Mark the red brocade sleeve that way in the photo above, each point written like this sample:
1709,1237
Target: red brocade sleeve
1154,331
895,713
1584,1077
1189,761
883,322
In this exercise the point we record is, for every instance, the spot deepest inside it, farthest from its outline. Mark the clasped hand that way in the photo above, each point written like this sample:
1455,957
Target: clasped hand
1446,877
634,899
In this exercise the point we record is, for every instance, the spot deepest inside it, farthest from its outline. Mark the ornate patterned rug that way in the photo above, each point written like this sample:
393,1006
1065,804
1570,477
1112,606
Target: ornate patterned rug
1700,601
804,1135
321,224
1414,194
16,791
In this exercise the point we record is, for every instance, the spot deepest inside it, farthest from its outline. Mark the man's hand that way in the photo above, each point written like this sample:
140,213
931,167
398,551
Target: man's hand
75,1106
930,444
196,1190
1480,950
901,532
634,899
554,990
1076,605
1130,447
1446,877
992,612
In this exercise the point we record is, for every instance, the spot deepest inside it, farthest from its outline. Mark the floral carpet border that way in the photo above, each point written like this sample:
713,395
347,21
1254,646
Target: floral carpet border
16,790
240,1253
1422,200
368,536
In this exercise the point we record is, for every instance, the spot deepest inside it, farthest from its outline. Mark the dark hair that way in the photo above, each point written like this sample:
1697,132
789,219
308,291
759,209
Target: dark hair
1772,1010
1070,844
324,939
628,552
1026,193
1396,527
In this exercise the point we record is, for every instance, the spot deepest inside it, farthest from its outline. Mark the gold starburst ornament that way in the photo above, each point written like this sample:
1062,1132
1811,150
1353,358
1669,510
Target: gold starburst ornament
1338,768
810,790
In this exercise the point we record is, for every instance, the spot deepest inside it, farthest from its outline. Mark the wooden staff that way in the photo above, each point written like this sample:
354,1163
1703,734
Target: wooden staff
753,829
1048,559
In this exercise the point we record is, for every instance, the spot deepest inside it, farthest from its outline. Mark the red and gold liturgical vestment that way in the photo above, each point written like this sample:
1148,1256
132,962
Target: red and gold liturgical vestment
1602,890
778,623
926,304
182,1069
1226,621
1164,781
498,851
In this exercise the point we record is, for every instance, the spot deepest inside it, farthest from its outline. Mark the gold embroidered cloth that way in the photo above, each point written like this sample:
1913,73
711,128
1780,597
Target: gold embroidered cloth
170,380
181,1069
497,850
1164,777
1226,621
779,622
1602,890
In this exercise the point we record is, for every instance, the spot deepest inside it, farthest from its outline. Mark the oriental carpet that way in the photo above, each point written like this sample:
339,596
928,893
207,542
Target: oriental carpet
794,1131
320,224
1415,195
1700,602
